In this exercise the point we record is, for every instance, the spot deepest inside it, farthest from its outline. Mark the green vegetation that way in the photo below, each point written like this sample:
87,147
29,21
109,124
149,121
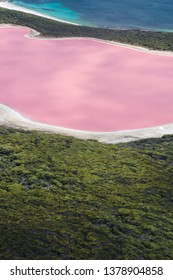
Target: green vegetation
65,198
47,27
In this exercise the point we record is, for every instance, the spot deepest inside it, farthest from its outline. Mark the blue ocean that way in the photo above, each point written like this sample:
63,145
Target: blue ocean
121,14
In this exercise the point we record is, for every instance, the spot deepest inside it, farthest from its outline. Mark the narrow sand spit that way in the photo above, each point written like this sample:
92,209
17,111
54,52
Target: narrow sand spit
13,119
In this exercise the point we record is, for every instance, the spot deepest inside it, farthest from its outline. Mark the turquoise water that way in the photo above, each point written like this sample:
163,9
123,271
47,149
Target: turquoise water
143,14
53,9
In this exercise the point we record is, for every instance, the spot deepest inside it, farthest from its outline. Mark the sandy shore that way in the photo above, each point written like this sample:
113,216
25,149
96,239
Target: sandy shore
10,6
11,118
33,34
128,46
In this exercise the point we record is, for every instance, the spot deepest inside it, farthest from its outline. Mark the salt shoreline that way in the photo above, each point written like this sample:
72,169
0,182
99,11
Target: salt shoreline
10,6
12,119
128,46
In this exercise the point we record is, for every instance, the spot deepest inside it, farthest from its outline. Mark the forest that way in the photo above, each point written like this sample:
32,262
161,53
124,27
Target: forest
65,198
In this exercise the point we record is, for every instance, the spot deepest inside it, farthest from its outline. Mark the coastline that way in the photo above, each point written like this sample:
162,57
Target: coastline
10,6
12,119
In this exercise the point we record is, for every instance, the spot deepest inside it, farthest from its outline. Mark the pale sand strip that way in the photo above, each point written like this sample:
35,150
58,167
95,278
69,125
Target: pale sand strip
114,43
33,34
11,118
10,6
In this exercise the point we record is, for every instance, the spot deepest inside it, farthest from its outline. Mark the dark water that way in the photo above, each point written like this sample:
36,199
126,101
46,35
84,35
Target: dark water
144,14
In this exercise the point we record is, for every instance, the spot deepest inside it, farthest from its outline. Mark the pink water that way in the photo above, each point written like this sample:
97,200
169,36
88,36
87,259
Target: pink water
84,84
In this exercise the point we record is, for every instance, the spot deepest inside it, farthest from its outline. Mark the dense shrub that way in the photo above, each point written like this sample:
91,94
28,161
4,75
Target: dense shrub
65,198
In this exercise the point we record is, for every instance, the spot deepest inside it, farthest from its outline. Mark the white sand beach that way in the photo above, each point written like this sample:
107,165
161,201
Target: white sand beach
37,35
10,6
11,118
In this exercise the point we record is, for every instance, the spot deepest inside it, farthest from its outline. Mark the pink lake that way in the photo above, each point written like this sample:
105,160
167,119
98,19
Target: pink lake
84,84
